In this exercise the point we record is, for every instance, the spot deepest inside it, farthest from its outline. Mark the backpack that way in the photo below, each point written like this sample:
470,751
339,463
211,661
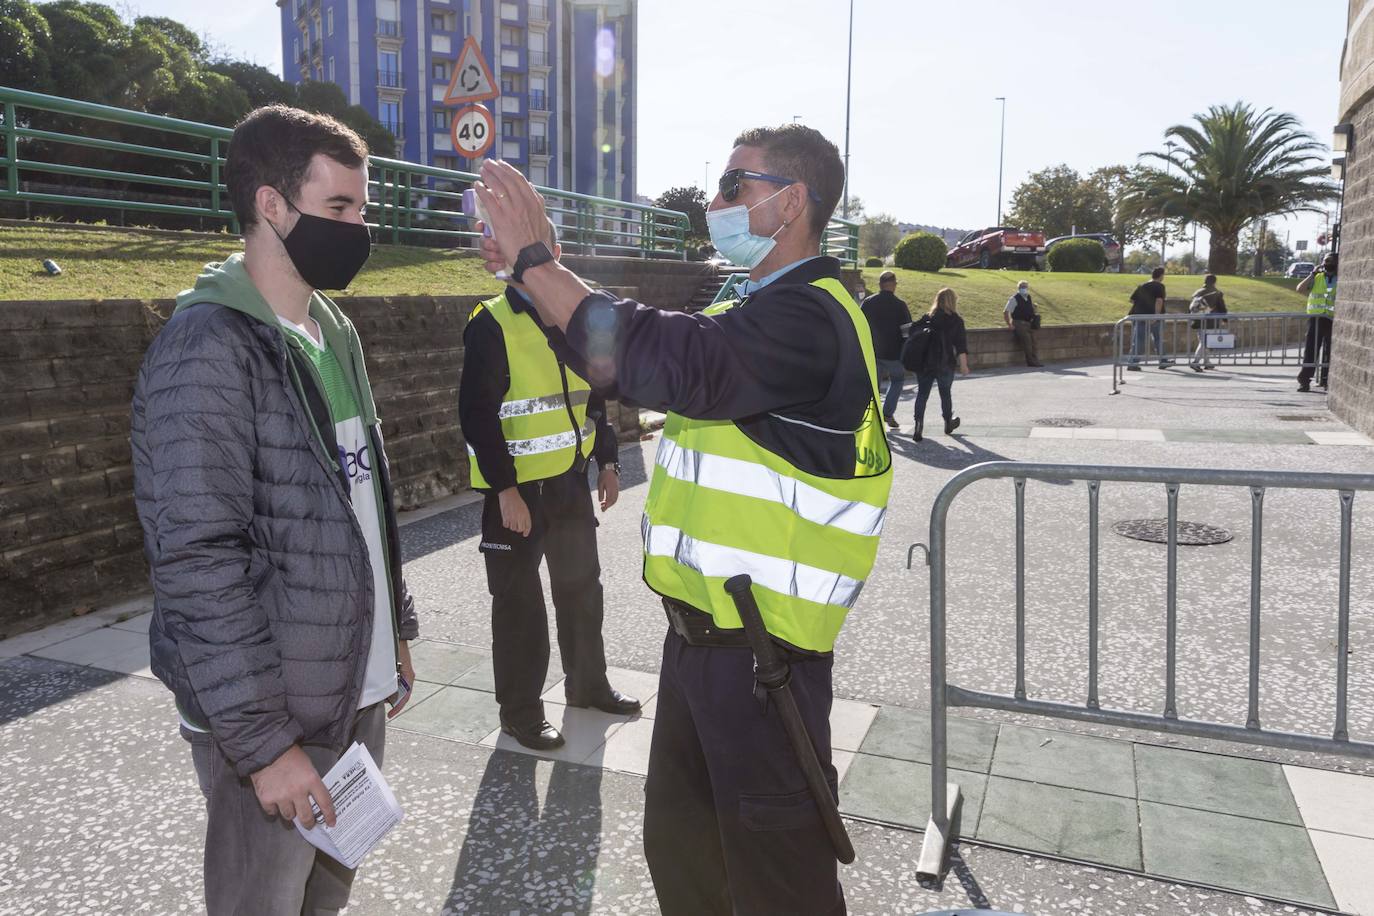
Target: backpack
918,345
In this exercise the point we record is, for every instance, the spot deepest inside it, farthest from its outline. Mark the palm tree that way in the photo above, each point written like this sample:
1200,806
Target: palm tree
1234,166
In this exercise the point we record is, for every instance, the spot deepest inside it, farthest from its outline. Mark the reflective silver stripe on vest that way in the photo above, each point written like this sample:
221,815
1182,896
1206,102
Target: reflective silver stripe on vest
745,478
525,407
552,443
773,573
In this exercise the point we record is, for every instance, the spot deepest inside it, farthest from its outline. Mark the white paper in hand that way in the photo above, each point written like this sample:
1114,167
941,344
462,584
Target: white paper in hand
365,809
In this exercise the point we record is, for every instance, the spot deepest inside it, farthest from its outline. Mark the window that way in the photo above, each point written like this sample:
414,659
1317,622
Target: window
510,150
439,70
443,119
296,48
331,68
512,82
329,20
538,41
389,114
388,18
510,37
539,174
388,69
512,128
510,11
446,162
442,22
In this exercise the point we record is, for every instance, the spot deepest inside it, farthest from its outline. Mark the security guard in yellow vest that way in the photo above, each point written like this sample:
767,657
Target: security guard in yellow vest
531,425
1320,286
773,463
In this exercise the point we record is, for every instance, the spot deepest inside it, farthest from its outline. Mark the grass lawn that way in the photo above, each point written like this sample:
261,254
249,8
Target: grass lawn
1074,298
101,264
104,264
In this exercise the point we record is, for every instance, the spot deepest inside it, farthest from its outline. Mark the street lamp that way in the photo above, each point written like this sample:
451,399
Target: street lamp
1341,136
706,177
1164,233
1001,150
848,85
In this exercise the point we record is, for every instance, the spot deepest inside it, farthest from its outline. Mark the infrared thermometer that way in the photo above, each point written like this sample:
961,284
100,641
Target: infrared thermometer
472,207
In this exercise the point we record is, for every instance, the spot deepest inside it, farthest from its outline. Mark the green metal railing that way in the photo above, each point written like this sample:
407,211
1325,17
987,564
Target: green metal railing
177,169
55,155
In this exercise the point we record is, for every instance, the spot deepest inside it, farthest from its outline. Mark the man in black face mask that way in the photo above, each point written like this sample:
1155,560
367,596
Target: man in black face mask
281,622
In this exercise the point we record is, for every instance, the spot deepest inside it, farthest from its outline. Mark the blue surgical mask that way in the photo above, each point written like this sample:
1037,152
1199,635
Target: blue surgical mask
729,228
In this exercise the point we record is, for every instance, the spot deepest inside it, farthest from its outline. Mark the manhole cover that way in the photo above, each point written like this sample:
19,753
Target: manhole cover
1296,418
1156,530
1062,421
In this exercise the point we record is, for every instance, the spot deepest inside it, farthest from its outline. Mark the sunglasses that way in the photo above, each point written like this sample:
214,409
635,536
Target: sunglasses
729,183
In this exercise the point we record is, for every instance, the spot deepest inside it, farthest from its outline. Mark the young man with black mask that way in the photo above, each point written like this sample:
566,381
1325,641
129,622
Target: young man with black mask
281,619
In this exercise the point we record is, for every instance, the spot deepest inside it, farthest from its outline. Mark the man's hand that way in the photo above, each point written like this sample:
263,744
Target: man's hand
607,487
515,515
516,210
407,672
286,785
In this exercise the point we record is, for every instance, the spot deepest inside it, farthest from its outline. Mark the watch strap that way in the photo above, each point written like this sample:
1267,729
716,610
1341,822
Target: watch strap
530,256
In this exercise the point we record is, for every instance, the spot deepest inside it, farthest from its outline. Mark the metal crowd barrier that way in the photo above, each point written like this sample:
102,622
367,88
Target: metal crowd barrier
945,797
1236,339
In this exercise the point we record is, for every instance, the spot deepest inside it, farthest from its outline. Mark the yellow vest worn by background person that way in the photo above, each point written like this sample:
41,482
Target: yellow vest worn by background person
544,413
1322,300
720,504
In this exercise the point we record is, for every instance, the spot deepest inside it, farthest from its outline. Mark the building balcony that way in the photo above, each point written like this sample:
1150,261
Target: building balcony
539,101
299,9
312,5
539,146
390,79
302,57
539,12
317,49
538,58
388,28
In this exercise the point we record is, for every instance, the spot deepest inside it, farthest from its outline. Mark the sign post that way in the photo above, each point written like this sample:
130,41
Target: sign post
473,130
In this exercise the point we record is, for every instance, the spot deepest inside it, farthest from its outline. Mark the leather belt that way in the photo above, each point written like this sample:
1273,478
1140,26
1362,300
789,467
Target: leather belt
699,629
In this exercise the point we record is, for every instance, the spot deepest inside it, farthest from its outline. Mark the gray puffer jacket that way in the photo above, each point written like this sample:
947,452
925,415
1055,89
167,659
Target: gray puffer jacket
260,571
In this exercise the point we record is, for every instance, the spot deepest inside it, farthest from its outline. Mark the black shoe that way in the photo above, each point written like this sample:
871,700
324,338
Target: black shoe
1303,386
1132,368
951,425
612,701
920,427
537,736
892,421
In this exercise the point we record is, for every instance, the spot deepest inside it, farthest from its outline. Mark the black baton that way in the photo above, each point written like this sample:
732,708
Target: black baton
772,673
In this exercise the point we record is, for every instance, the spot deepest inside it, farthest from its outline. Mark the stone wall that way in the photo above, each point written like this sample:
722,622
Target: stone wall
1352,343
69,535
661,283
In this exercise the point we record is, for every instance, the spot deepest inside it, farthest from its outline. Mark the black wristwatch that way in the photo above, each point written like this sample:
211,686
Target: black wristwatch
530,256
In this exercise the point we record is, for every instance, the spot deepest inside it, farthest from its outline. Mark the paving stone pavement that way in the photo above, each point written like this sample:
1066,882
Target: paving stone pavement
106,819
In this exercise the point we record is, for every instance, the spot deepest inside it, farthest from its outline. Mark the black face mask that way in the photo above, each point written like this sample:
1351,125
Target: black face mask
327,253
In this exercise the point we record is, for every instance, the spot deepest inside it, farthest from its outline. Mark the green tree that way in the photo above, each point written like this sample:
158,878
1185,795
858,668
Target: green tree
1058,201
1232,166
90,45
25,46
328,98
692,201
262,86
879,235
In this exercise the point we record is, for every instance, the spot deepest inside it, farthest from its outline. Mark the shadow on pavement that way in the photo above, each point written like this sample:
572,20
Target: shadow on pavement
519,857
28,685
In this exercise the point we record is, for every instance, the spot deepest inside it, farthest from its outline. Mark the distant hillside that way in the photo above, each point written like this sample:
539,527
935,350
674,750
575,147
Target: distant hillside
949,235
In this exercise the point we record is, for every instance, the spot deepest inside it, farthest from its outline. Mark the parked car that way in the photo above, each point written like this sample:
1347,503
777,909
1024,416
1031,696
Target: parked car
1000,246
1300,270
1109,243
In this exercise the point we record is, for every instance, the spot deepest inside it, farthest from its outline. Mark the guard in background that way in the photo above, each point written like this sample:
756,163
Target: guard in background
531,424
774,463
1321,305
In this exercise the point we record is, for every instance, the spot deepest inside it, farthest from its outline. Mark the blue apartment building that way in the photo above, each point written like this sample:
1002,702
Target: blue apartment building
566,68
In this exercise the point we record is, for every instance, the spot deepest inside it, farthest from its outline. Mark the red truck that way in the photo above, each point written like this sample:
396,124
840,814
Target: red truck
1000,246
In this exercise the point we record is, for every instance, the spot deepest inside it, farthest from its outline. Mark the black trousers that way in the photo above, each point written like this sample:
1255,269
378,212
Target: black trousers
1316,349
729,826
563,529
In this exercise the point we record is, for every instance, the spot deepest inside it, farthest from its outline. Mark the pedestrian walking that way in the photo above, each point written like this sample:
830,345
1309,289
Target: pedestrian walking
1024,320
888,321
946,352
1148,299
769,397
281,621
531,425
1206,301
1320,286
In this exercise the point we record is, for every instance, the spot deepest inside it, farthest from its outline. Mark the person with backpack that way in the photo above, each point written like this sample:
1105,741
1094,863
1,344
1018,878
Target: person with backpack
938,344
1148,299
1206,301
1023,320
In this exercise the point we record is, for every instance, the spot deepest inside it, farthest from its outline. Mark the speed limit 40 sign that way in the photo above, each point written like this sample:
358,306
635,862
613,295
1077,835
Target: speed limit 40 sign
473,131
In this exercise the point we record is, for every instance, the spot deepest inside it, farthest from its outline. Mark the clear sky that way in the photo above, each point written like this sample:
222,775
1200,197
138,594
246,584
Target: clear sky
1088,83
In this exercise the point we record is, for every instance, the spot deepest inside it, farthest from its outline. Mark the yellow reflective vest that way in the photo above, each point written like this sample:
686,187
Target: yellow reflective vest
544,413
720,504
1322,299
